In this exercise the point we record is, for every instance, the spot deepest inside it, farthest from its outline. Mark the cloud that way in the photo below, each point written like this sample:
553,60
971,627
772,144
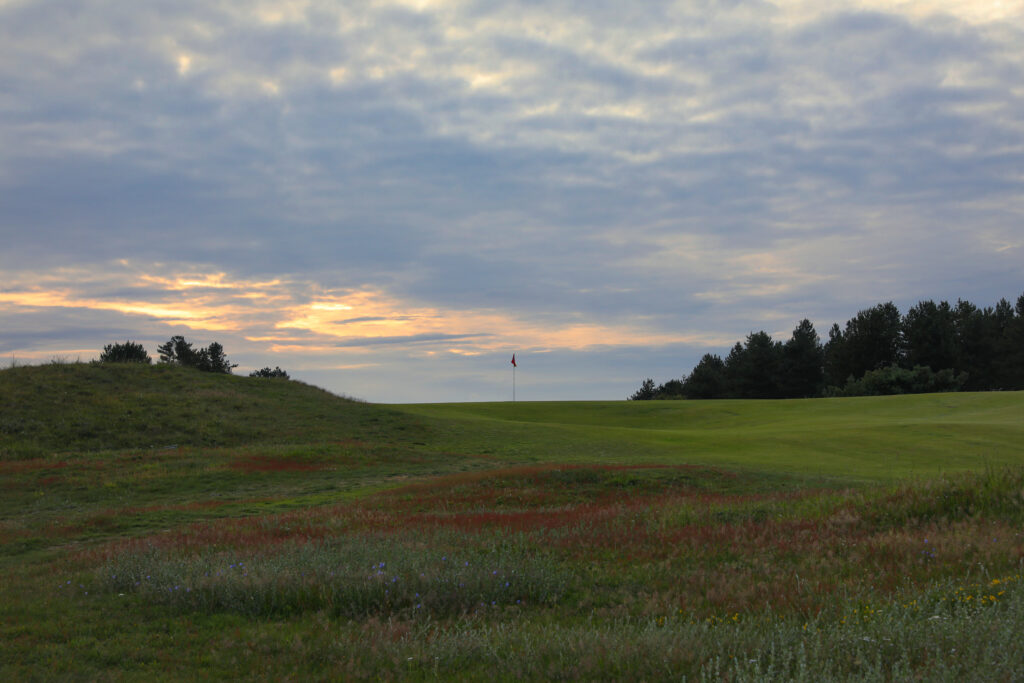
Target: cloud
287,315
550,174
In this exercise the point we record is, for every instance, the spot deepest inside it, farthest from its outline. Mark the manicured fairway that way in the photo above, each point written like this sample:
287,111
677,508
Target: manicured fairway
872,438
157,523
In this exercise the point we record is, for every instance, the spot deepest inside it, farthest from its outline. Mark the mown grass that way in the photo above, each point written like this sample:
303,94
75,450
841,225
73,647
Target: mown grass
528,542
852,439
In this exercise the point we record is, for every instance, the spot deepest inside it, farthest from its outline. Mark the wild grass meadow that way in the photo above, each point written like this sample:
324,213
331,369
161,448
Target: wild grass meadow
159,524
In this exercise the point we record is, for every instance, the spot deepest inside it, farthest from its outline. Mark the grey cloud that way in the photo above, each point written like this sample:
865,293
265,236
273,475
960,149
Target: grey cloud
285,333
558,375
535,198
407,339
62,328
371,319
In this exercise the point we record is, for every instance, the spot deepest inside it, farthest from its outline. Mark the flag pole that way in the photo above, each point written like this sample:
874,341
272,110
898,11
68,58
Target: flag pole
513,378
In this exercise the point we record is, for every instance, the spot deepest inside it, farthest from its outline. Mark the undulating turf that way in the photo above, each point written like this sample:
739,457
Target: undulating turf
871,439
56,408
158,523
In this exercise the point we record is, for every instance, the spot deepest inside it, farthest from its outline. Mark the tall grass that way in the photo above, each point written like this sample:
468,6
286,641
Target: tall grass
348,577
934,633
789,588
685,553
977,643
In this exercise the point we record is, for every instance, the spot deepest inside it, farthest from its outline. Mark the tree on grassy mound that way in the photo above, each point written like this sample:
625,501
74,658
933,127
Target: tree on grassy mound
129,352
178,351
276,373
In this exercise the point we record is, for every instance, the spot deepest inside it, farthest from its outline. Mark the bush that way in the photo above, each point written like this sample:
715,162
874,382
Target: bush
896,380
129,352
276,373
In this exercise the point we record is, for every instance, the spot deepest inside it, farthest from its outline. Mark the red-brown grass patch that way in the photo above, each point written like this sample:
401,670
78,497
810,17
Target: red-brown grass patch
15,466
262,463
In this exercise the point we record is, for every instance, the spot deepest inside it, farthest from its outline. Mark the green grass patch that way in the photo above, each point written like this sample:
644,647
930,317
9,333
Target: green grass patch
59,408
851,439
324,539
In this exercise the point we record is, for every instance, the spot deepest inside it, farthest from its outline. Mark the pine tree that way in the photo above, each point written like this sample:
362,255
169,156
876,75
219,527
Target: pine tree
129,352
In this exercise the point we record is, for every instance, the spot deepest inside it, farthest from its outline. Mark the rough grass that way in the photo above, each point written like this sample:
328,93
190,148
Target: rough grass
519,542
63,407
921,580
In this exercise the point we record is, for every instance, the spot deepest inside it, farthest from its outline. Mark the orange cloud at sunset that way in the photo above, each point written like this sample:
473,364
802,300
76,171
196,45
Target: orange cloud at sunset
145,295
372,315
292,316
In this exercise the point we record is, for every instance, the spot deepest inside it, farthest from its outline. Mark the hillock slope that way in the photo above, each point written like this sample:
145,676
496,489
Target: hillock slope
81,407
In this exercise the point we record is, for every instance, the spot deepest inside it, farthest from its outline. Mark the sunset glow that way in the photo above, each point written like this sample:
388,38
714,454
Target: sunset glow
271,313
390,198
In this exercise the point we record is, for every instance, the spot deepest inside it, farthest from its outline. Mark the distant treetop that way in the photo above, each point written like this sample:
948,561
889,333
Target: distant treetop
277,373
934,347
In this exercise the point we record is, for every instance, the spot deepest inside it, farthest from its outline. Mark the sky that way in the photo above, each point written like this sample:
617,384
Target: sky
388,199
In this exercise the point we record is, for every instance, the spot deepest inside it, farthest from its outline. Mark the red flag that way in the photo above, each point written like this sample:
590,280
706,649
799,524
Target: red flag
514,361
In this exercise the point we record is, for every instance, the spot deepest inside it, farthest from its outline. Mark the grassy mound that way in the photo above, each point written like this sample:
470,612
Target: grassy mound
59,408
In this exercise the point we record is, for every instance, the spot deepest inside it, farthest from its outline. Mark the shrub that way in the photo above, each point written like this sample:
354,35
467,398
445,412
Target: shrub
896,380
129,352
276,373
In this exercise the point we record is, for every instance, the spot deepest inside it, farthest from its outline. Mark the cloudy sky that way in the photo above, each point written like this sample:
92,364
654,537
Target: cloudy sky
390,198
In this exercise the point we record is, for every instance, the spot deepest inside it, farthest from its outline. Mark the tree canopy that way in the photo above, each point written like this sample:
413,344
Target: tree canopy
933,347
178,351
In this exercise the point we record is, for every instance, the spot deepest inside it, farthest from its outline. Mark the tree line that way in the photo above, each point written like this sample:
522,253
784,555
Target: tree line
933,347
178,351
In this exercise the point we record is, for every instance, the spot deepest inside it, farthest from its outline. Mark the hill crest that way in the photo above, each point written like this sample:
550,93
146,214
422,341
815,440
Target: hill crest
62,407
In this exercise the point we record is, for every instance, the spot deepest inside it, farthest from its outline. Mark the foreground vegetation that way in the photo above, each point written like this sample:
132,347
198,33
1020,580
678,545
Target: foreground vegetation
702,540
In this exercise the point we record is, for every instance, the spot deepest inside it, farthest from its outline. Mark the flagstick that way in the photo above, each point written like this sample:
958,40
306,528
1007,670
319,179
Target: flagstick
513,378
